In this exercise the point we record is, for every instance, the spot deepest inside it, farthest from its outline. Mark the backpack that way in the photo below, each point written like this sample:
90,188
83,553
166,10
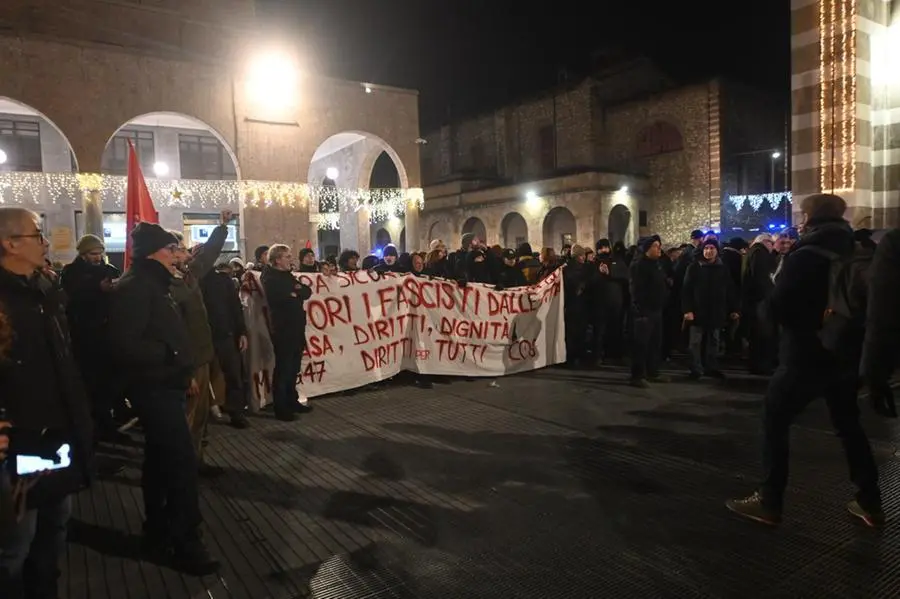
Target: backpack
844,319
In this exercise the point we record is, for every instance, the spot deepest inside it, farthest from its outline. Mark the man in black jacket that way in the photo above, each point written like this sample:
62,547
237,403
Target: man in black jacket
285,295
881,348
88,283
42,394
807,370
151,344
649,292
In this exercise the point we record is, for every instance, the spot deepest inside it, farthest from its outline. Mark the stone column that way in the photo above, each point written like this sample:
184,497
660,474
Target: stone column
846,93
92,213
413,241
355,230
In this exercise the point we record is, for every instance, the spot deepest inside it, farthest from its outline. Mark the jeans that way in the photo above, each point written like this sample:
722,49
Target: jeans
804,373
197,409
284,378
647,345
169,481
703,345
227,375
29,558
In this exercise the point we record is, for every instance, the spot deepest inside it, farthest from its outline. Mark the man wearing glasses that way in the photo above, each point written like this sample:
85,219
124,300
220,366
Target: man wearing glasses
41,396
152,345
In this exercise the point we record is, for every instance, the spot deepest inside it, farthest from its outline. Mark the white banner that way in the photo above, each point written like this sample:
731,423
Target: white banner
363,327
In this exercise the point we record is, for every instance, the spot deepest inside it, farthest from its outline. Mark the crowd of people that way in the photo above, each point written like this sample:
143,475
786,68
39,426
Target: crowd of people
86,353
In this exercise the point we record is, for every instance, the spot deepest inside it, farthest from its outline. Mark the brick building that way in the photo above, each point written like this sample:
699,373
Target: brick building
220,120
846,105
618,154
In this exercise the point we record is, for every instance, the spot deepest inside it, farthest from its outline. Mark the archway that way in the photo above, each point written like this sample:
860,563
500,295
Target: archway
476,226
513,230
618,223
30,142
382,238
439,230
171,145
559,228
357,160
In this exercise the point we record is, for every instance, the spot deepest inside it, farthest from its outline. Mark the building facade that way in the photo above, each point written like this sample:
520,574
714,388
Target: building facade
845,113
620,154
218,120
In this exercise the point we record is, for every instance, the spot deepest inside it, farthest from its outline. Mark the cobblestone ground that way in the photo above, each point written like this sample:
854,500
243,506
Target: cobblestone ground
558,483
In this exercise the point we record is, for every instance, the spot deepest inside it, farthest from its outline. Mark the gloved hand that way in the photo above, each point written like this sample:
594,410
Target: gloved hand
882,399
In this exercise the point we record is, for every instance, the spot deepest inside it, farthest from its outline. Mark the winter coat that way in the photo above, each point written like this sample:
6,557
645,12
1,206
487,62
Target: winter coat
710,293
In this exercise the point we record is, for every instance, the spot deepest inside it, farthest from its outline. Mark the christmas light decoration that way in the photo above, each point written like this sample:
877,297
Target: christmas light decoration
823,131
69,188
852,109
756,200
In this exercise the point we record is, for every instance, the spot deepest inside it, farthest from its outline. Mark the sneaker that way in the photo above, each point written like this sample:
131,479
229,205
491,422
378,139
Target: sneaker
239,421
303,408
216,412
639,383
871,518
193,558
753,508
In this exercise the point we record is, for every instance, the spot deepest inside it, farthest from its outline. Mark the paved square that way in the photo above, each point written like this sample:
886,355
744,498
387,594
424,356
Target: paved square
558,483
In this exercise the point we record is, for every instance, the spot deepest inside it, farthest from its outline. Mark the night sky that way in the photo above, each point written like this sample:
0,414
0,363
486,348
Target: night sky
465,56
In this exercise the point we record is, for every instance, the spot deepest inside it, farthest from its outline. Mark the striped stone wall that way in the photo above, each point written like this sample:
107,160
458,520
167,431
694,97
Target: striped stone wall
846,106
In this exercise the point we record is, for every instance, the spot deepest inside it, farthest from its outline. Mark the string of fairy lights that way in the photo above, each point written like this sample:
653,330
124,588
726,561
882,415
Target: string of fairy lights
837,94
326,203
755,201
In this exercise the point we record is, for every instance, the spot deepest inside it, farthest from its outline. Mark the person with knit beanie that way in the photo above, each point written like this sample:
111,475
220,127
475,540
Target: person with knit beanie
90,244
811,367
649,293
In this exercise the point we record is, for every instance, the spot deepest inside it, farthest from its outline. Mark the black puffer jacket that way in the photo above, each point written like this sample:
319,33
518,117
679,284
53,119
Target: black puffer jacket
148,336
87,303
40,386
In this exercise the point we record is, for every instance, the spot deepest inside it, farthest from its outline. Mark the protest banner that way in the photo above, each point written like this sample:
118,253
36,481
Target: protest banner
364,326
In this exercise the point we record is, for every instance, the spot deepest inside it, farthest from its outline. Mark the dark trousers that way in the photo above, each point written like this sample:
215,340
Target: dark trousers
703,345
169,482
575,335
762,340
101,386
646,345
30,553
804,374
288,358
231,365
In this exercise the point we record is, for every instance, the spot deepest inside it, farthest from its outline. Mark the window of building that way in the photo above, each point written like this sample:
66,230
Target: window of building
115,158
21,140
547,141
642,218
204,157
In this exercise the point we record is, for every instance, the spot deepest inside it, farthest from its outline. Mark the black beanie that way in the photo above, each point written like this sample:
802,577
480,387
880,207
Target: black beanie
147,239
389,250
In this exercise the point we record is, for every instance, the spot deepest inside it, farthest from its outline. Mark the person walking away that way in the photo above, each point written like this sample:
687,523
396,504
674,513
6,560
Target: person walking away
151,344
285,295
648,289
818,357
757,285
88,282
41,396
709,300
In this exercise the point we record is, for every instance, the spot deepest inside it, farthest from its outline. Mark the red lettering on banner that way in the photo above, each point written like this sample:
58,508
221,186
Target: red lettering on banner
316,346
387,354
388,328
326,312
520,350
510,303
453,351
422,354
313,372
474,329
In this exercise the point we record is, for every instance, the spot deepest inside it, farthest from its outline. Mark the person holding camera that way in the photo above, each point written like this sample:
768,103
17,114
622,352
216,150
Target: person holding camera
45,433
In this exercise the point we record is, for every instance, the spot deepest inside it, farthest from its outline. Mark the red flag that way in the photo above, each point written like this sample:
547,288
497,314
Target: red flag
138,203
308,244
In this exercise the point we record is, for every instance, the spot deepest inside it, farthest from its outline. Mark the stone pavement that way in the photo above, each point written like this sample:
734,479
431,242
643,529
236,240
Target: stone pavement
556,484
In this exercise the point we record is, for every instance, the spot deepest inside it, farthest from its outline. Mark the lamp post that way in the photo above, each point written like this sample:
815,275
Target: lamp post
775,156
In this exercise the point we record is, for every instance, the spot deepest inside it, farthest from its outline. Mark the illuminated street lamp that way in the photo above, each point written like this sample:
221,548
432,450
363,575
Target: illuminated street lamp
3,157
272,79
331,173
160,169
